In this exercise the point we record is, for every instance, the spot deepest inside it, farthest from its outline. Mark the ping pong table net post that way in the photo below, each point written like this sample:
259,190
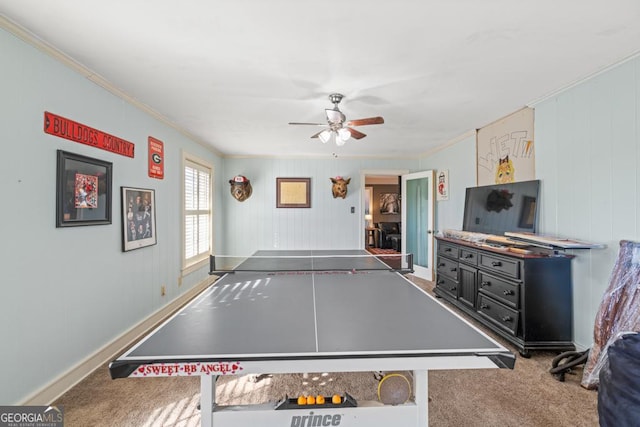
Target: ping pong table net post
223,264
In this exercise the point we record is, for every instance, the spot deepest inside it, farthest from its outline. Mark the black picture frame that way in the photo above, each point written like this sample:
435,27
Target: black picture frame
83,190
528,212
138,218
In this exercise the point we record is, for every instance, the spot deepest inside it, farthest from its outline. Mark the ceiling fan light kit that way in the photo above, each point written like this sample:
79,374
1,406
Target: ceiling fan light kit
324,136
343,135
336,124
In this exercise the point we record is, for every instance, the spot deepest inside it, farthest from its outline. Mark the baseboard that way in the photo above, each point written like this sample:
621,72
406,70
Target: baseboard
60,385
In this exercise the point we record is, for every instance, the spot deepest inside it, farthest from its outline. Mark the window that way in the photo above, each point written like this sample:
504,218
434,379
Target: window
197,211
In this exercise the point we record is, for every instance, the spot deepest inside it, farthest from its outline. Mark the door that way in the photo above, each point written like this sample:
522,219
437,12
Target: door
418,222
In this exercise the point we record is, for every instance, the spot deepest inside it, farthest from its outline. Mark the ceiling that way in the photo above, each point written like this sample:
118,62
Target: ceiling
233,73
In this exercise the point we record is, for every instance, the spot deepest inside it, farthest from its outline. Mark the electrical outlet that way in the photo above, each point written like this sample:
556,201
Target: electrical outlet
162,290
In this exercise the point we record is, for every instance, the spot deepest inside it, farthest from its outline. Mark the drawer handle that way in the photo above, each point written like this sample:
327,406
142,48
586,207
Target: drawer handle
483,284
468,256
454,269
484,306
496,263
507,292
440,282
453,288
447,249
442,264
506,318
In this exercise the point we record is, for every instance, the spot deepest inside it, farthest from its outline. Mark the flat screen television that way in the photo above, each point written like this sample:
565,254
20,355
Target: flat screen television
496,209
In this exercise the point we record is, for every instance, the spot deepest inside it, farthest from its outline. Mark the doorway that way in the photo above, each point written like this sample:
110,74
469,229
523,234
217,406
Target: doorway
418,201
418,221
375,184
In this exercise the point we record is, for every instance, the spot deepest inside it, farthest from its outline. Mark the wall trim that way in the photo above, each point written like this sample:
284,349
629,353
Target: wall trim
448,143
29,38
63,383
581,80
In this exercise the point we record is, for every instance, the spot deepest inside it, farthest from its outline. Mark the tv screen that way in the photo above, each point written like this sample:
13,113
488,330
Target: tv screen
496,209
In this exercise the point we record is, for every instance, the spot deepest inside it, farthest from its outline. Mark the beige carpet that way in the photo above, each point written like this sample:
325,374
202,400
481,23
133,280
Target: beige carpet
525,396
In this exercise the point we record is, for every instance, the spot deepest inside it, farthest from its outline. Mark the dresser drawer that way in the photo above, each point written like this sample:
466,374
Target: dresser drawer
507,266
499,314
468,256
502,290
446,249
447,285
447,267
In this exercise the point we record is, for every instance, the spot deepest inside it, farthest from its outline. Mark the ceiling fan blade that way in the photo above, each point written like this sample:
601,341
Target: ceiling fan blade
355,134
317,134
310,124
368,121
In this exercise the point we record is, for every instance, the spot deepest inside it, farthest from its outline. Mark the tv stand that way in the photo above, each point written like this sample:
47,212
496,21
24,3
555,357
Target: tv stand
524,298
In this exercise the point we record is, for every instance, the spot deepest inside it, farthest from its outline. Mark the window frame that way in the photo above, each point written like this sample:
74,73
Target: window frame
198,261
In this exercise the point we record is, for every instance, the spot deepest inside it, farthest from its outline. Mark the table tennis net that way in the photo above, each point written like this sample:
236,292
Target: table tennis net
219,264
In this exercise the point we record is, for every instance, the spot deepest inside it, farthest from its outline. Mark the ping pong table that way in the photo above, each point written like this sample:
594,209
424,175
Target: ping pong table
311,311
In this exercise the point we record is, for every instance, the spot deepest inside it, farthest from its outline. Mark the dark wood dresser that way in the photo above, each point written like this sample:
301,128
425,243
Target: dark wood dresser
526,299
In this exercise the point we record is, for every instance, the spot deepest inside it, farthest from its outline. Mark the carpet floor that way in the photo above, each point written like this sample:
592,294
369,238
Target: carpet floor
527,396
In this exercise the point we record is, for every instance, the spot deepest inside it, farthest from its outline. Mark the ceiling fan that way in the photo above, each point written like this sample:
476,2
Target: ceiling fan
336,124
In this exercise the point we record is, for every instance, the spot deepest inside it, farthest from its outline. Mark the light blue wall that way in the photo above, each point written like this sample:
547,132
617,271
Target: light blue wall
460,160
587,143
257,224
588,158
65,293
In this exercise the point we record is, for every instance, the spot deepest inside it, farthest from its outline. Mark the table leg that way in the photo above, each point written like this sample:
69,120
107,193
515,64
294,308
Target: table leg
207,399
421,396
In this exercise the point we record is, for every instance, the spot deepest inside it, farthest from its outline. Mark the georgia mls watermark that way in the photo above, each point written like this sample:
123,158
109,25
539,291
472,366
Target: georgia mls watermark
31,416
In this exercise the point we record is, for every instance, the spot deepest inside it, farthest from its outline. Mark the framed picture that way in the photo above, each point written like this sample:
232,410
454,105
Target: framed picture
528,212
138,218
83,190
293,192
368,200
442,186
389,203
